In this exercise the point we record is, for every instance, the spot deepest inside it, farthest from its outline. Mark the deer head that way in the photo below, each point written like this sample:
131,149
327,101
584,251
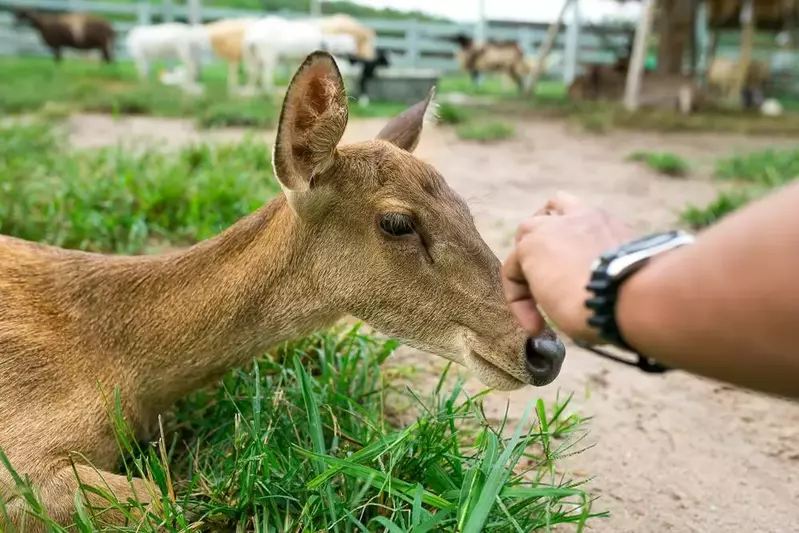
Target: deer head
390,242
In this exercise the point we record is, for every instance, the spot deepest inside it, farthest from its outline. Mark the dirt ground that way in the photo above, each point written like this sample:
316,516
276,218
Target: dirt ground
673,453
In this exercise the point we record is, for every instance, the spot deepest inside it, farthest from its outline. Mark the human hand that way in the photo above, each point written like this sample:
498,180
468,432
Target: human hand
550,264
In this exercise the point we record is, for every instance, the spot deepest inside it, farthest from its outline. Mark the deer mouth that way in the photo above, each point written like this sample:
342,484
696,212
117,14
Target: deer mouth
543,358
492,375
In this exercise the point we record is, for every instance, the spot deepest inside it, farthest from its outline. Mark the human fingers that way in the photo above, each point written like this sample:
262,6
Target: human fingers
531,224
563,203
519,297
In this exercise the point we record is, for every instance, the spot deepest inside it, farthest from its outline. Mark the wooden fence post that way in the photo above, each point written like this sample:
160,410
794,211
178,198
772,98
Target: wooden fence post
702,40
546,47
632,88
745,57
572,45
143,15
168,11
525,39
412,36
195,12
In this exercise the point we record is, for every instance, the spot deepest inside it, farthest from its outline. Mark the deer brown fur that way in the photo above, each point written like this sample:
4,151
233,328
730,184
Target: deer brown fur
81,31
363,229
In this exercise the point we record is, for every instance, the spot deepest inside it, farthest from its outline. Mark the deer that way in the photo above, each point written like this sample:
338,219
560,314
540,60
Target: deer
364,229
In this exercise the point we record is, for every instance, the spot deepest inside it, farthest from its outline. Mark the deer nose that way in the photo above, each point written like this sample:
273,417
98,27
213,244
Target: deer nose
543,358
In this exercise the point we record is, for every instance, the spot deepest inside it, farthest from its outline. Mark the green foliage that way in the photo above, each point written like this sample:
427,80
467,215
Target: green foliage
254,112
452,114
767,167
36,85
760,172
662,163
299,442
725,203
119,200
485,131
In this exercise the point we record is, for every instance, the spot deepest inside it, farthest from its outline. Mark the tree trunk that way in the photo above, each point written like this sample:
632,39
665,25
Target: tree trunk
675,28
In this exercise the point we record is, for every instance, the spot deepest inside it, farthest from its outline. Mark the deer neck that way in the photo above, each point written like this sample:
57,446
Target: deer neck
182,320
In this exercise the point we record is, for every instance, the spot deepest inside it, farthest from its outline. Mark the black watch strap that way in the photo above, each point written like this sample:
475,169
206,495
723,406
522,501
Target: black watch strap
607,275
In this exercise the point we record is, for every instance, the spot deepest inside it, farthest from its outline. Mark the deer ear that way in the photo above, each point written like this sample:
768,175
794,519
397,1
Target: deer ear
405,129
312,122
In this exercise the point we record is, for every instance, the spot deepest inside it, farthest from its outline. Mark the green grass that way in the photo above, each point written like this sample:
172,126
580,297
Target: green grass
769,167
485,131
451,114
753,175
304,439
119,200
36,85
601,117
662,162
300,442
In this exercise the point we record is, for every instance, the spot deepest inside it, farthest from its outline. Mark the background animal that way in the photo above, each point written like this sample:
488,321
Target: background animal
273,40
341,24
368,72
168,41
364,229
721,78
493,56
227,37
81,31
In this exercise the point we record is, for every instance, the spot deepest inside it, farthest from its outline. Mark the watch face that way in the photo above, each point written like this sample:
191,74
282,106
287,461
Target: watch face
650,241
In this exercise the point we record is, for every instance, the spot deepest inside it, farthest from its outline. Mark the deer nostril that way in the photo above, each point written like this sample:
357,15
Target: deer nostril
543,356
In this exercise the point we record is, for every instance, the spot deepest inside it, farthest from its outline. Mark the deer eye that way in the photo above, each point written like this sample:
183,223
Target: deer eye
396,224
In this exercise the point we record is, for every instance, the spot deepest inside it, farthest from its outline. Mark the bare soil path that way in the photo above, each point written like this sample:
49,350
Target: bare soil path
673,453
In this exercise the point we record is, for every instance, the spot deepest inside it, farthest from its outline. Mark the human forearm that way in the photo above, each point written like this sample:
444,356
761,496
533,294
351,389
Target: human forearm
727,306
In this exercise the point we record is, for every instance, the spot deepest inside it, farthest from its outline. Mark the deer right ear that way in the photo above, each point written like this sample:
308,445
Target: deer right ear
405,129
312,122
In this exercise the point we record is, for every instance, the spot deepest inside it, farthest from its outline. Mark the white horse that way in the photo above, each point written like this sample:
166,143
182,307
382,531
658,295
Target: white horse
168,41
272,40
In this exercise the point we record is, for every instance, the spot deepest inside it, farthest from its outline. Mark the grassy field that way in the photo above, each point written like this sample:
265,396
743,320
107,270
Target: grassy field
304,439
37,85
750,176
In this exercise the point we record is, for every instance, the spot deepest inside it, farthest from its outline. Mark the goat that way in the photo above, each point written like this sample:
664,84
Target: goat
170,40
272,40
721,75
341,24
226,37
368,71
81,31
602,81
493,57
363,229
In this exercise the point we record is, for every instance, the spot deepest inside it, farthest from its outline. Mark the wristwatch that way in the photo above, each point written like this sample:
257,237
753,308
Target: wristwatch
608,272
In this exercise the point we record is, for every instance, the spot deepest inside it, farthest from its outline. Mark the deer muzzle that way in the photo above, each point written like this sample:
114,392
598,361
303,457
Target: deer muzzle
543,358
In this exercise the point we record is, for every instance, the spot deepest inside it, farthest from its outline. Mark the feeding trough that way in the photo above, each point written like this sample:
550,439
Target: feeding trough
400,85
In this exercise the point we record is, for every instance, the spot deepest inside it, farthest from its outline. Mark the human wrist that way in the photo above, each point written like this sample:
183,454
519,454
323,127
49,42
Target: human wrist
623,288
644,302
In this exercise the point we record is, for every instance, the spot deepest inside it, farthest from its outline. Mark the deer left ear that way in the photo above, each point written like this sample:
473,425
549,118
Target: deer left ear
405,130
312,122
